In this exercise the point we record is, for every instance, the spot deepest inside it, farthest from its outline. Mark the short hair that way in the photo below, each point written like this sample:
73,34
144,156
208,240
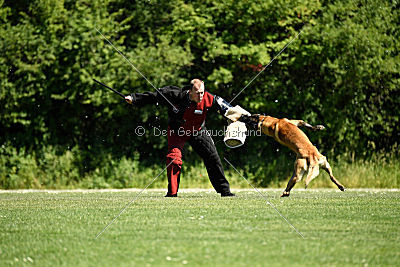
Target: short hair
196,83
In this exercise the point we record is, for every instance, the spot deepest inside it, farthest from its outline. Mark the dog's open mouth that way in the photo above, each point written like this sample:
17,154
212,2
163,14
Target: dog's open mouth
251,121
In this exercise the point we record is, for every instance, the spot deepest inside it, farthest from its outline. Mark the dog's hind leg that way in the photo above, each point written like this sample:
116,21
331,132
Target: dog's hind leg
301,123
325,165
300,167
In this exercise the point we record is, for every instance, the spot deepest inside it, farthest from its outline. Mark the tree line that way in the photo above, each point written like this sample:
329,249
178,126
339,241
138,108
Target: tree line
341,69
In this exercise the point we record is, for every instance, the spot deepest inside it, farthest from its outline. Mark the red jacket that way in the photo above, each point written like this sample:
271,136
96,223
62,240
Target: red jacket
190,115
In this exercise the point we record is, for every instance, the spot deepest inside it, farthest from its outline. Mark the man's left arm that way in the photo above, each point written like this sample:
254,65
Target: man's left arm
230,112
220,105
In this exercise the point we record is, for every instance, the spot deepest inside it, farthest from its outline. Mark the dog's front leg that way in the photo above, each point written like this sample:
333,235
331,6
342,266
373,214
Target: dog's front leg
289,186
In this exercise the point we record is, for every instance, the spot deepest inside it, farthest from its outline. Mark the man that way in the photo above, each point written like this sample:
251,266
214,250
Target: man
187,111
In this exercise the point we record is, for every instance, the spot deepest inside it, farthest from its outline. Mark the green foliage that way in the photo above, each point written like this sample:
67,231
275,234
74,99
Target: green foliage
50,168
342,71
44,169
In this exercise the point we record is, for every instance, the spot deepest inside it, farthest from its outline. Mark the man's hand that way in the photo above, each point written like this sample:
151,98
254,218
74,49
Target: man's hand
128,99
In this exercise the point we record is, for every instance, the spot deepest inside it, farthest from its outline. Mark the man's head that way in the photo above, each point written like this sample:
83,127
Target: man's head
196,92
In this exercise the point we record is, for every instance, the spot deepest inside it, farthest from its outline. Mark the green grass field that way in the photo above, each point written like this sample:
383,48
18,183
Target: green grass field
357,227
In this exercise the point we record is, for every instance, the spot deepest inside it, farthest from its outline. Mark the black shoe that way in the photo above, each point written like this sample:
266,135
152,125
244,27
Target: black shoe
227,194
169,195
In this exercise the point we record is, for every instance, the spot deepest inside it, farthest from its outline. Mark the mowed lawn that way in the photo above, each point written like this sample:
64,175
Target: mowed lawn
357,227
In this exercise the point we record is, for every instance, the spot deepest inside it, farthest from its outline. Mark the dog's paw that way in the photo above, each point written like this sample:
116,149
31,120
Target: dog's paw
320,127
285,194
342,188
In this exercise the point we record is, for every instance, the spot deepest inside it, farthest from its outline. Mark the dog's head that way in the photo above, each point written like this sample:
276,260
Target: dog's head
251,121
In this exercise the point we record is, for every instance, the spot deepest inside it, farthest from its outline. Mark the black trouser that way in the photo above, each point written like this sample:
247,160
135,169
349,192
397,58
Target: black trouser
204,146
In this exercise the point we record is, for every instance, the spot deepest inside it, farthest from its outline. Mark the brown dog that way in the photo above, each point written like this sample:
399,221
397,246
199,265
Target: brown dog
288,134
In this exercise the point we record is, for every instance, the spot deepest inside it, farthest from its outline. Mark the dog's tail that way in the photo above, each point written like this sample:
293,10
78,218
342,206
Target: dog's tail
311,161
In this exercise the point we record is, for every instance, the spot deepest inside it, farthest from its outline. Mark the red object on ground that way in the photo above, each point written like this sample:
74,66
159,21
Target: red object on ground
193,119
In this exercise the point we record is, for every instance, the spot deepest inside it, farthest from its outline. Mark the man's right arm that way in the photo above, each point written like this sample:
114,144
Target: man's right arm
142,98
159,96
